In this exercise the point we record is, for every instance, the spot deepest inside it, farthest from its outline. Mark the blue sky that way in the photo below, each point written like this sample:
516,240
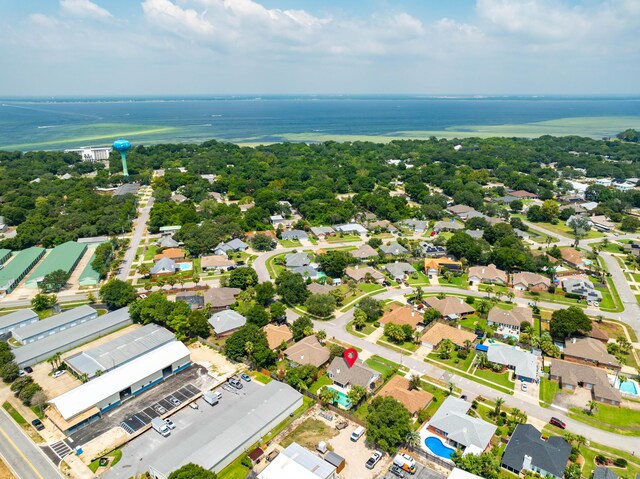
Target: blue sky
165,47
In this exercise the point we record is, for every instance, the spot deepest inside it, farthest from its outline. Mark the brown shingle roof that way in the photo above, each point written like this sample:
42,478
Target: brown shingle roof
402,315
398,388
591,350
358,374
439,331
365,251
317,288
221,297
522,194
277,334
308,351
358,274
530,279
488,273
215,261
572,256
574,373
449,305
513,317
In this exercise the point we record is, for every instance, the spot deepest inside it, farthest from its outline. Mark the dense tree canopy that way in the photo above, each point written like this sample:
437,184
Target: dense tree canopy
117,293
388,423
192,471
565,322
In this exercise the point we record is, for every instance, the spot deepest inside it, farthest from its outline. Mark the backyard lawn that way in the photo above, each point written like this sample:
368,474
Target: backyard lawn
150,253
322,381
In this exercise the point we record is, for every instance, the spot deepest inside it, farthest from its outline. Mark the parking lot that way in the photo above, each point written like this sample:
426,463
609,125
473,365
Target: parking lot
422,472
195,377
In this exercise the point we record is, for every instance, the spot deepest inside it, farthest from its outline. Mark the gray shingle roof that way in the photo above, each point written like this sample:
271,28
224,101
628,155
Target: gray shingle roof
550,455
163,265
226,320
358,374
398,270
295,260
394,249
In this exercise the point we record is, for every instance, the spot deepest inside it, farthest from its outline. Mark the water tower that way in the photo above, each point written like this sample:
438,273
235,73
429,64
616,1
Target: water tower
123,146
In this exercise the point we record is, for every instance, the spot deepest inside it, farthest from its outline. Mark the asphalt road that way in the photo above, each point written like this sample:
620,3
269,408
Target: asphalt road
24,458
138,231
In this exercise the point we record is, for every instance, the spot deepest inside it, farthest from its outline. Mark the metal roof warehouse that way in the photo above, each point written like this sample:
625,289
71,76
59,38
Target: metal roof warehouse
38,351
16,320
64,257
121,350
86,403
54,324
20,264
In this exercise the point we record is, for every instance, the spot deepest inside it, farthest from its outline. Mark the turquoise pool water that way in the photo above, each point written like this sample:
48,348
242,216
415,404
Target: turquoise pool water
628,387
185,266
435,446
343,400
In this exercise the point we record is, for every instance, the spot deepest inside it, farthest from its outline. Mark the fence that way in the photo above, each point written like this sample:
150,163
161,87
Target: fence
210,344
431,458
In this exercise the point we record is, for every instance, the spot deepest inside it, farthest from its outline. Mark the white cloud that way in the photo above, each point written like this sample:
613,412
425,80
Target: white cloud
170,16
84,8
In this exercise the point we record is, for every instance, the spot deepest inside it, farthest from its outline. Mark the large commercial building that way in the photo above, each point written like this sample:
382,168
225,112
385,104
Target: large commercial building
85,404
20,264
296,462
38,351
5,254
119,351
64,257
17,320
54,324
229,435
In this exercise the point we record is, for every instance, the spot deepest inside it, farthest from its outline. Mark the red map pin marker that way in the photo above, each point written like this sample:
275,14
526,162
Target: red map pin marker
350,356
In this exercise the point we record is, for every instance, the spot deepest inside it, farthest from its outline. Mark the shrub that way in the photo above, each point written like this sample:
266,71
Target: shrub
376,324
470,300
620,462
600,459
246,461
463,354
474,404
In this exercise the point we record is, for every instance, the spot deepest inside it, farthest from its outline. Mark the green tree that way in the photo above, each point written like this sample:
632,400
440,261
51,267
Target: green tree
592,405
359,319
371,307
301,326
565,322
334,262
42,302
243,278
192,471
630,224
415,382
356,394
484,465
117,294
580,226
278,311
301,377
265,292
262,242
328,396
321,336
235,346
292,288
321,305
257,315
388,423
9,372
573,471
54,281
550,211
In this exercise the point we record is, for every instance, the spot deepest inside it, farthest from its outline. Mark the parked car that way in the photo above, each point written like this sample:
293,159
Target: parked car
554,421
193,405
245,377
169,423
235,382
57,374
396,471
374,459
174,401
159,409
22,372
524,386
357,434
37,423
28,369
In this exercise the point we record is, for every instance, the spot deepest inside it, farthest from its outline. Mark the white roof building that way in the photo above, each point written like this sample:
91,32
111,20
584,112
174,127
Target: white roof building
296,462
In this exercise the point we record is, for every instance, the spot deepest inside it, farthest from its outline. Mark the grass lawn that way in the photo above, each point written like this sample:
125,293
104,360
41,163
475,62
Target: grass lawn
235,470
342,238
439,395
149,253
495,287
421,279
408,345
37,412
614,292
553,298
454,361
309,433
499,378
473,321
562,229
290,243
367,330
362,412
320,382
261,378
461,281
548,390
114,458
620,420
611,247
381,367
17,417
273,268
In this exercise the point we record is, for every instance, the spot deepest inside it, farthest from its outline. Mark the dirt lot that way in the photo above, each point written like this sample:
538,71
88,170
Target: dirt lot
215,362
53,386
310,433
5,473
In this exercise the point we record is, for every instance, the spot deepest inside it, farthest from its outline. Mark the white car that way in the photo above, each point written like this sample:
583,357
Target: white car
169,423
524,386
57,374
374,459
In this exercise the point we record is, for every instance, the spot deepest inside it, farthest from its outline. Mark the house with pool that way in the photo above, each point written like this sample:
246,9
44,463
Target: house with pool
524,364
452,428
345,377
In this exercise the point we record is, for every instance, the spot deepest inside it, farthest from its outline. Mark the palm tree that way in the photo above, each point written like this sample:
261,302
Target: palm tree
248,349
84,378
580,441
467,344
498,406
441,296
196,279
592,405
356,394
308,331
181,281
419,294
489,290
414,382
412,440
452,386
328,396
321,336
511,295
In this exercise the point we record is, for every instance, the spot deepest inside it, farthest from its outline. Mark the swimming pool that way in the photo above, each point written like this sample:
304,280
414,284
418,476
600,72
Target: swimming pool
628,387
435,446
343,401
185,266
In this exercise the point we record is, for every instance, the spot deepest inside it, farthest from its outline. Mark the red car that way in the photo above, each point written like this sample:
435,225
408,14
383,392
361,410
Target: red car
557,422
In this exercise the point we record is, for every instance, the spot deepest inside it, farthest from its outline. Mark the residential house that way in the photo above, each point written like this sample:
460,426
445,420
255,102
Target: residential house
398,388
276,220
178,198
317,288
601,472
508,321
601,223
221,298
526,281
584,288
213,262
573,258
523,363
360,274
192,298
307,351
346,376
431,250
487,274
321,232
364,252
294,235
234,245
438,332
307,272
596,333
527,451
384,225
433,266
167,242
277,334
226,322
523,195
461,211
590,206
399,270
418,226
296,260
447,226
572,375
459,430
394,249
475,234
352,228
450,307
164,267
175,254
590,351
402,315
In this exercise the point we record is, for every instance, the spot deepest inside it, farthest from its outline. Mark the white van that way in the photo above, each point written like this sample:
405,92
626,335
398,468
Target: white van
357,434
405,462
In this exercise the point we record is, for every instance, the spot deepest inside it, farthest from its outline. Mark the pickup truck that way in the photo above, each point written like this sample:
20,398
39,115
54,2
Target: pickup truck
160,426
